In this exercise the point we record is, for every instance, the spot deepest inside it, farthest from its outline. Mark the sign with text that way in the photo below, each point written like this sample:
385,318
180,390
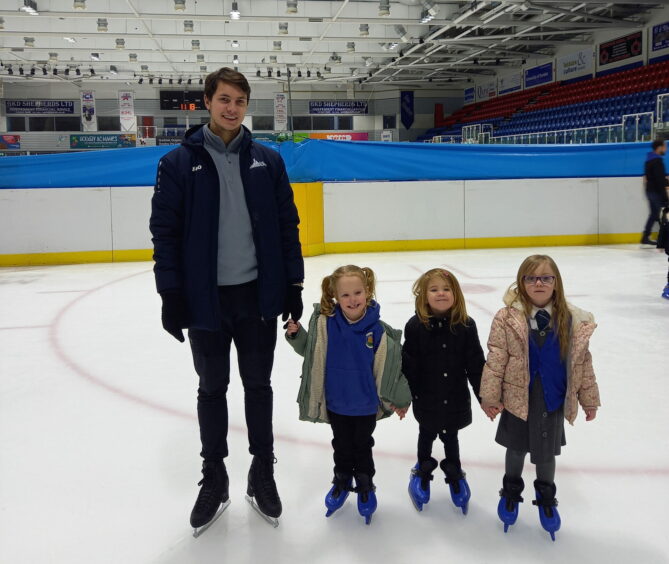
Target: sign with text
39,107
356,107
575,64
660,36
280,112
509,83
126,106
539,75
341,136
620,49
486,90
89,119
102,141
10,141
168,140
470,95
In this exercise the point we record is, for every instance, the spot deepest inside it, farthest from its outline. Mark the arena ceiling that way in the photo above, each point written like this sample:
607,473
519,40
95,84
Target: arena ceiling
404,43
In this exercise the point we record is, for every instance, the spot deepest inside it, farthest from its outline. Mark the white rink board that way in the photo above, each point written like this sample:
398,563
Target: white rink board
393,211
52,220
530,207
131,210
623,207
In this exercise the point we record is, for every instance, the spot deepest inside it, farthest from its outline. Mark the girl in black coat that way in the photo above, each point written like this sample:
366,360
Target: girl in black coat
441,352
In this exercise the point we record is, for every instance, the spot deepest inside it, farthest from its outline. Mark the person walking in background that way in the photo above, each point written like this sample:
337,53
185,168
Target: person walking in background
656,182
441,353
539,368
228,261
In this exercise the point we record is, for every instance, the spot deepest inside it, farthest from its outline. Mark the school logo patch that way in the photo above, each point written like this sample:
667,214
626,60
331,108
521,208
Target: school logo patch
370,340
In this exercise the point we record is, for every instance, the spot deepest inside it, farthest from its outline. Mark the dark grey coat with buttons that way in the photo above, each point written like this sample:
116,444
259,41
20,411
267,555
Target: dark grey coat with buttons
437,362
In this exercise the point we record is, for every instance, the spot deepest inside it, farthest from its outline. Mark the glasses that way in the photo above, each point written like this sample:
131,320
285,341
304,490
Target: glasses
548,280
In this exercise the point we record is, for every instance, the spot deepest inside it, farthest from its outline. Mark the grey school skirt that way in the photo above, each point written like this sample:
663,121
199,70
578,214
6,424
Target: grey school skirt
542,435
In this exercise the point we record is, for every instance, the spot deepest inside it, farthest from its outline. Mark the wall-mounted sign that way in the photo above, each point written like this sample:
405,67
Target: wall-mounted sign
575,64
539,75
189,100
39,107
89,119
126,108
10,141
102,141
341,136
168,140
660,36
620,49
280,112
356,107
509,83
470,95
486,90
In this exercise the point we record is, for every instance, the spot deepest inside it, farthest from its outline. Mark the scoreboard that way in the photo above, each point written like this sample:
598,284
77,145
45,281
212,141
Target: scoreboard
188,100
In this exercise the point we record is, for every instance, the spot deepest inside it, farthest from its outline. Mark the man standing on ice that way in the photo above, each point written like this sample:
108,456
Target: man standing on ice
228,261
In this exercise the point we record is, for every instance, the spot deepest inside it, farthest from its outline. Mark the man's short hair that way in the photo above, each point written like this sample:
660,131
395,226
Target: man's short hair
229,76
657,144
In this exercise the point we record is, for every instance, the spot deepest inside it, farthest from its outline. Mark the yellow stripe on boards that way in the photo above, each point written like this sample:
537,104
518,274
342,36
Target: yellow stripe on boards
620,238
132,255
35,259
532,241
388,246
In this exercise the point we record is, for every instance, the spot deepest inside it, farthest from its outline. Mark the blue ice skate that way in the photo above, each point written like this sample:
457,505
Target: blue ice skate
335,498
547,504
419,482
507,508
366,496
457,483
665,292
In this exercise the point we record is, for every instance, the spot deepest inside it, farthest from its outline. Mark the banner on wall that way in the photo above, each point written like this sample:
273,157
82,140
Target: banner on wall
509,83
126,106
575,64
280,112
89,119
10,141
660,36
406,108
539,75
356,107
470,95
486,90
102,141
620,49
341,136
39,107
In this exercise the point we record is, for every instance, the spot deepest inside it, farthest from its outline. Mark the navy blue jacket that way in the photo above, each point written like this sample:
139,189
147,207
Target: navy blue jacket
656,176
184,225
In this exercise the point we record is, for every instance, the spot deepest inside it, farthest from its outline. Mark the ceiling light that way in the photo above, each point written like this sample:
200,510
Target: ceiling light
2,23
299,73
55,71
277,45
102,24
188,26
350,47
384,7
308,73
113,69
291,6
179,5
403,34
120,43
235,44
29,41
79,4
171,80
195,44
77,71
368,61
150,80
235,14
132,57
258,73
278,72
44,71
29,7
203,68
201,81
92,71
95,56
269,73
67,71
141,79
190,81
180,80
272,59
235,59
200,57
53,57
364,30
70,39
160,80
145,68
425,17
32,71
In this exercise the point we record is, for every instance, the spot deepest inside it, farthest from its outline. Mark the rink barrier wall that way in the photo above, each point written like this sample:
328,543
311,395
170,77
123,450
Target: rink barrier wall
110,224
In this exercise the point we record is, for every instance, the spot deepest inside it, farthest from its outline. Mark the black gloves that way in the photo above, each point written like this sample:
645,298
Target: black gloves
174,314
292,306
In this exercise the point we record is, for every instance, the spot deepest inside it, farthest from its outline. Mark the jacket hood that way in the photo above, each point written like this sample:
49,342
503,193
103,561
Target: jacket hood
578,315
652,155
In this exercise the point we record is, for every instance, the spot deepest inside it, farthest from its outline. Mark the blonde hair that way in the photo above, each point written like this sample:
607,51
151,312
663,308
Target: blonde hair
561,316
329,285
458,311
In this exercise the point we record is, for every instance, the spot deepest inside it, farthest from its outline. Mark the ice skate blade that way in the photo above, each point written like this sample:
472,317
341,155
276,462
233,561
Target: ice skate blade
552,536
368,519
274,521
465,509
197,531
506,527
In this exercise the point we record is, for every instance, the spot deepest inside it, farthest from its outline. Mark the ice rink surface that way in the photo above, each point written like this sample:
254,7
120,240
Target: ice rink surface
99,442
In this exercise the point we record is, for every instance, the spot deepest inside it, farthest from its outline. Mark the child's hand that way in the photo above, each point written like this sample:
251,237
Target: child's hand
492,410
590,414
401,411
291,327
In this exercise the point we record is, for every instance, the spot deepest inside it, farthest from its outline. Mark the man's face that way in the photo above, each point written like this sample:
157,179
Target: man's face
662,149
227,108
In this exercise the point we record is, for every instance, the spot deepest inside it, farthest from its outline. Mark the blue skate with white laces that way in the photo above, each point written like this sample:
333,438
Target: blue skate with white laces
547,504
342,484
366,496
457,483
510,498
419,482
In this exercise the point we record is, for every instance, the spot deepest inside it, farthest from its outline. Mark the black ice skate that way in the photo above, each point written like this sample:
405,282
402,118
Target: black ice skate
261,492
213,498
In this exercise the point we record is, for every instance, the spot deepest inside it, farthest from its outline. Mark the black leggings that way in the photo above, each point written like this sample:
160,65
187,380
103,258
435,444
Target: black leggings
450,440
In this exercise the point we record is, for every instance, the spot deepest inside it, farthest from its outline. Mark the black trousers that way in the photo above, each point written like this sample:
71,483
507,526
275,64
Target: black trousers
655,202
255,340
450,440
352,443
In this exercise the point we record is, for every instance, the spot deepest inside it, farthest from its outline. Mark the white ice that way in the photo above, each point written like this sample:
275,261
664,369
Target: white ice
99,442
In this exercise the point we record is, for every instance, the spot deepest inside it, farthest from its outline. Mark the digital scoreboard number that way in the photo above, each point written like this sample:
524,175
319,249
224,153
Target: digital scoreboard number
189,100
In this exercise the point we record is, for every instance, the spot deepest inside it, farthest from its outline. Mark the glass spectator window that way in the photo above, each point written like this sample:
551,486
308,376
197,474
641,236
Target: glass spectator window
301,123
262,123
69,123
109,123
325,123
345,122
41,123
16,123
389,122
